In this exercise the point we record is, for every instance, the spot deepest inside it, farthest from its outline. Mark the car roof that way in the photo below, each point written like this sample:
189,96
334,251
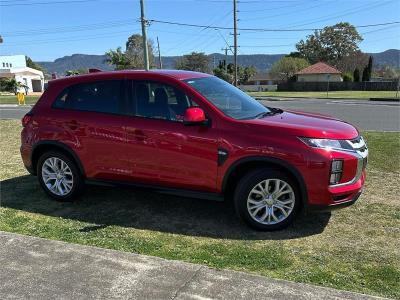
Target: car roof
176,74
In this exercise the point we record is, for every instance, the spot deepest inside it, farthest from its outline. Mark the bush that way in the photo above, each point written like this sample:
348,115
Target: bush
347,77
8,85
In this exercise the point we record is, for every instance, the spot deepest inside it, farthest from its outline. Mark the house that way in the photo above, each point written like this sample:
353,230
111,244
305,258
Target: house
261,82
263,79
319,72
14,66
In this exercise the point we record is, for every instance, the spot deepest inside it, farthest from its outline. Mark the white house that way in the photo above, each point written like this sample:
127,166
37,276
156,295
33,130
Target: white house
14,66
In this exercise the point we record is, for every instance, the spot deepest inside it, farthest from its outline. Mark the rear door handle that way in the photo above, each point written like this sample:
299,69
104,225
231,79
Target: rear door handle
137,133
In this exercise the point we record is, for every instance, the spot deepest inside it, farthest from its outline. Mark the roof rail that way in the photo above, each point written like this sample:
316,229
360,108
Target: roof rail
94,70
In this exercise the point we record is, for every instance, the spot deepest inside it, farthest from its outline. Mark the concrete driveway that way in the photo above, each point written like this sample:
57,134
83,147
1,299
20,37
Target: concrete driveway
34,268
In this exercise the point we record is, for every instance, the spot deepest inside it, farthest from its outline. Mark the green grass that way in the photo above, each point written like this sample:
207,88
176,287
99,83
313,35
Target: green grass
12,99
355,249
333,94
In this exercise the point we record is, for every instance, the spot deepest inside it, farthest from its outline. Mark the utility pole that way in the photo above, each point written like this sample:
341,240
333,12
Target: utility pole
159,54
235,41
144,35
226,57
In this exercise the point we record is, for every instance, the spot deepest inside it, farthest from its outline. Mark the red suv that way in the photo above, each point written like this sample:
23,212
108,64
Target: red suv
194,135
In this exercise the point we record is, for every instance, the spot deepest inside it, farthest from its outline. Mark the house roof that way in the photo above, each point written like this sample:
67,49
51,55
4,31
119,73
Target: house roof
319,68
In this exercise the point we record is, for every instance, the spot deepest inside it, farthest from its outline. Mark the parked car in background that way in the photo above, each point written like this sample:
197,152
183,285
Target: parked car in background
194,135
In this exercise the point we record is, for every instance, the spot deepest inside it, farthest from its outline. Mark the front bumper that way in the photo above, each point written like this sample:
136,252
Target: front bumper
327,197
329,207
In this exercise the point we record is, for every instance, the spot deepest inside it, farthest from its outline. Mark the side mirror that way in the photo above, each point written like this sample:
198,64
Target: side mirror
194,116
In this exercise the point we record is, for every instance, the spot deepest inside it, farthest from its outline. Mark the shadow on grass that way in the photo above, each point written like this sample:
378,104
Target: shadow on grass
142,209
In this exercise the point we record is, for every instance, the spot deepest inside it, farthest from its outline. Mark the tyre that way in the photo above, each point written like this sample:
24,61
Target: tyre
59,176
267,199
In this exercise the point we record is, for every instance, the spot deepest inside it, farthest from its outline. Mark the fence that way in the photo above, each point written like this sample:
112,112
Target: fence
338,86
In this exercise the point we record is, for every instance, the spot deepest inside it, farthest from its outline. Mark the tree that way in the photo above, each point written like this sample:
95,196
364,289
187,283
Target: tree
287,67
351,61
356,75
31,64
227,74
132,57
370,67
135,53
330,44
195,61
365,74
76,72
246,73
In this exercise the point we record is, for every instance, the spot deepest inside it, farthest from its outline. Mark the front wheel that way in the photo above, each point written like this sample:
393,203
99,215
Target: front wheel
267,199
59,176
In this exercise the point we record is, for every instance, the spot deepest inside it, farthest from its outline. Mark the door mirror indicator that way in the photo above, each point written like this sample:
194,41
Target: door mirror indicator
194,116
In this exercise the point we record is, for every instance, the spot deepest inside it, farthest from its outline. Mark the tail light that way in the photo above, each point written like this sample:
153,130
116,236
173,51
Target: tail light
26,119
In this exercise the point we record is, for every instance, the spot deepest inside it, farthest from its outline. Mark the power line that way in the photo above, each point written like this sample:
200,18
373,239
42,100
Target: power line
261,29
42,3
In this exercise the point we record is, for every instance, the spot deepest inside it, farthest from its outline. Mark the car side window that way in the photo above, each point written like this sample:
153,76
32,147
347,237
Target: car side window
160,101
98,96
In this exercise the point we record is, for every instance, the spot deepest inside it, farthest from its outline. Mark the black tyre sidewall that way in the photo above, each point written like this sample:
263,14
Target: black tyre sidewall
247,183
77,186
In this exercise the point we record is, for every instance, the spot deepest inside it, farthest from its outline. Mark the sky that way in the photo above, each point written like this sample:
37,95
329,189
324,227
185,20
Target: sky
49,29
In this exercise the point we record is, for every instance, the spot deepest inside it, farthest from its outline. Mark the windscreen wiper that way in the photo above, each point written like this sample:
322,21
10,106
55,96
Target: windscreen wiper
273,111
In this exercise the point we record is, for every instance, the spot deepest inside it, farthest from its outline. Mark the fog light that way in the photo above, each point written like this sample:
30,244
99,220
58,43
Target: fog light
337,166
336,171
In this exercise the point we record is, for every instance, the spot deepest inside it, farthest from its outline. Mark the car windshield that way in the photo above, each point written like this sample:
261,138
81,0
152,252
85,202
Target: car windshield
228,99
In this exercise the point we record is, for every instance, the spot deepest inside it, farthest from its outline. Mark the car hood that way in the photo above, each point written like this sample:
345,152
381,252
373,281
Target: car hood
308,125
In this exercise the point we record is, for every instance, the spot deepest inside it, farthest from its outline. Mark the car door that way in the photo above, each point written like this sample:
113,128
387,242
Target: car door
93,120
174,155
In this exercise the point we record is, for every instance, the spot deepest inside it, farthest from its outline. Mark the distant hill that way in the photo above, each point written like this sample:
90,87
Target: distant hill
262,62
76,61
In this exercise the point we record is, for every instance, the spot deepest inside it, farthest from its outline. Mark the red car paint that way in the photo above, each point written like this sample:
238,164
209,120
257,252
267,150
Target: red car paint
168,154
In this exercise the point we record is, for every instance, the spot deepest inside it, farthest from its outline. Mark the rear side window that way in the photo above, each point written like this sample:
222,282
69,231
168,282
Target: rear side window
98,96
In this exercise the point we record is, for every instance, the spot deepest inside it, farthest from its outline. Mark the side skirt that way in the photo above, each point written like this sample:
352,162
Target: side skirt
159,189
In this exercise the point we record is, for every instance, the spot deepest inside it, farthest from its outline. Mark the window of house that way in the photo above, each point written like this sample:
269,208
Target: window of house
4,65
99,96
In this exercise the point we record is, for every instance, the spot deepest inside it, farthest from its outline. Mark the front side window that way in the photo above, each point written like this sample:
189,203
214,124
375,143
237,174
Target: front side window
99,96
227,98
160,101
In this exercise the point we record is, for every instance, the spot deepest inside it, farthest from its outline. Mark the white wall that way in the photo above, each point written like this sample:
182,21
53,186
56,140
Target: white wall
12,61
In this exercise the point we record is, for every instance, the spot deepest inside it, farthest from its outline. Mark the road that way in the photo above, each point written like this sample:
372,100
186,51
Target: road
366,115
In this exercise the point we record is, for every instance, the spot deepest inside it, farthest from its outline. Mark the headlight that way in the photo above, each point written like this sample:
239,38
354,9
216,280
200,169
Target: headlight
326,143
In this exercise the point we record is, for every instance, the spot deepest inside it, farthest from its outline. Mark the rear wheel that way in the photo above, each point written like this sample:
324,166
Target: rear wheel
267,199
59,176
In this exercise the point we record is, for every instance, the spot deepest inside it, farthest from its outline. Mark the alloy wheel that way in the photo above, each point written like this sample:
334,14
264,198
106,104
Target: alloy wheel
271,201
57,176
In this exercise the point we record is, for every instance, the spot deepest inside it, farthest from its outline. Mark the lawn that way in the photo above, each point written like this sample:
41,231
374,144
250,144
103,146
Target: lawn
355,249
333,94
12,99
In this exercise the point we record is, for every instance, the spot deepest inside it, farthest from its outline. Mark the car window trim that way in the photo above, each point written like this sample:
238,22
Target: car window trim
122,100
133,101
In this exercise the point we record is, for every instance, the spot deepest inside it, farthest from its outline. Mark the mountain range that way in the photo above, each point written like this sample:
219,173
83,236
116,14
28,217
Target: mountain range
262,62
